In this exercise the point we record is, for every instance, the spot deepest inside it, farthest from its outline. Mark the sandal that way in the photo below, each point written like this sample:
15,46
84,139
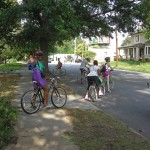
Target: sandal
87,99
109,90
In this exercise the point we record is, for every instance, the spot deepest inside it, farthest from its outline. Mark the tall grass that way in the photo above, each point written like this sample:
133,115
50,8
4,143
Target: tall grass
10,66
132,66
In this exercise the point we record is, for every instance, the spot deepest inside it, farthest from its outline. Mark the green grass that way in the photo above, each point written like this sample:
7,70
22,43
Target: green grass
132,66
95,130
10,67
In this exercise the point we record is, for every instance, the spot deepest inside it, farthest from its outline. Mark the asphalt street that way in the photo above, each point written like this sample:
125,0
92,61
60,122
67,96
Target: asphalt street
129,102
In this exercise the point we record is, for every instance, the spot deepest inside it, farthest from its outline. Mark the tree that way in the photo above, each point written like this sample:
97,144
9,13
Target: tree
47,22
66,47
82,50
126,41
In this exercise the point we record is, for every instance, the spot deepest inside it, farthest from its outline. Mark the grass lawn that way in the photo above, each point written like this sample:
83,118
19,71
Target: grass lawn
10,67
132,66
95,130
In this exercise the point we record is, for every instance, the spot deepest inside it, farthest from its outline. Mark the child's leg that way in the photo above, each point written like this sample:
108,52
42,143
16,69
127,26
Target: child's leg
108,83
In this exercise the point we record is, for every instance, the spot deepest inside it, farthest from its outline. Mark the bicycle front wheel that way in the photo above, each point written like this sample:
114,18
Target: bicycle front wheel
30,102
62,71
58,97
80,79
111,83
93,93
55,71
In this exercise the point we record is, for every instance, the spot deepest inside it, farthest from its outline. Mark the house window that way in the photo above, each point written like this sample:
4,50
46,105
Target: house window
145,50
137,38
148,50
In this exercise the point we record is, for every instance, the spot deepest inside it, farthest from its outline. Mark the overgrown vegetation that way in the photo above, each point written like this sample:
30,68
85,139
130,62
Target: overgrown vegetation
94,130
8,115
138,66
10,67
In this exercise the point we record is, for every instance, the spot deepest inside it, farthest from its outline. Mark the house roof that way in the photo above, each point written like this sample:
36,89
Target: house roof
133,45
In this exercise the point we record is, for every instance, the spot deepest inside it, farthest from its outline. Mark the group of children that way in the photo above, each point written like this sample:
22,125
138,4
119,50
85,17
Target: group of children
35,64
94,72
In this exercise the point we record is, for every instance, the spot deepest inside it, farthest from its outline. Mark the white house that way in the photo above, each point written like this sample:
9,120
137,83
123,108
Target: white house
139,47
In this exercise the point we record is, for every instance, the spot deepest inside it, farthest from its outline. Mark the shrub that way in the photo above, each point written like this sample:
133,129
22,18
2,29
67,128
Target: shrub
7,116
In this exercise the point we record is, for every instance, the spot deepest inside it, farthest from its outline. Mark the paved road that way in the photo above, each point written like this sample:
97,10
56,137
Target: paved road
129,102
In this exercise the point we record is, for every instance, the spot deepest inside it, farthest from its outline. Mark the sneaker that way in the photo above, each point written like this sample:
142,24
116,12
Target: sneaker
87,98
100,94
47,107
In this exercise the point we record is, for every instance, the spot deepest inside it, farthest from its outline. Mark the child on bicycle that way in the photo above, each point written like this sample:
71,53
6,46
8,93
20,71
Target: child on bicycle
106,73
38,75
94,76
84,67
59,64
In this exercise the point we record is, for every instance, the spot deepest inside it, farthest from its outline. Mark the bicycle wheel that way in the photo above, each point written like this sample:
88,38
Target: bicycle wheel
62,71
30,102
55,71
80,79
103,89
58,97
93,93
111,83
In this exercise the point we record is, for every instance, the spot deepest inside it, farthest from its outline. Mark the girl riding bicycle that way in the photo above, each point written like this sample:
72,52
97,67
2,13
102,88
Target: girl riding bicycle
94,76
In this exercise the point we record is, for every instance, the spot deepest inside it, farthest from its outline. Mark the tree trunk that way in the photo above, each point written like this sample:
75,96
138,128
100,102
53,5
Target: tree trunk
44,47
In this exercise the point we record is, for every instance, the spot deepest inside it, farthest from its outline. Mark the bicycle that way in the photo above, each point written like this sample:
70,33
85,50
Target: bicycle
61,71
31,100
94,90
81,79
111,82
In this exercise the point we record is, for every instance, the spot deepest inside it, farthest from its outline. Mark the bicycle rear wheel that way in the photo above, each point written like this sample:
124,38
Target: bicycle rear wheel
93,93
58,97
81,79
30,102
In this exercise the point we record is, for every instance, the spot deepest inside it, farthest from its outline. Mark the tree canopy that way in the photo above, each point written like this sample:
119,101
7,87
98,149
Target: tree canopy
35,24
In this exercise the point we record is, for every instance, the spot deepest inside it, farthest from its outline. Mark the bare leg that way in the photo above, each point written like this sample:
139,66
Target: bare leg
45,88
86,96
108,83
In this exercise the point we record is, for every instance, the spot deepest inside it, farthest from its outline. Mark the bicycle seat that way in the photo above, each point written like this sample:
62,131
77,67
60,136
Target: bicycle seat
34,81
92,82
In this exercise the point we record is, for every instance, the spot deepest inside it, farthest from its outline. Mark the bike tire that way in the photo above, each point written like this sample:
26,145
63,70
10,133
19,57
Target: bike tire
93,93
80,79
103,89
63,72
58,97
54,71
26,100
111,83
148,84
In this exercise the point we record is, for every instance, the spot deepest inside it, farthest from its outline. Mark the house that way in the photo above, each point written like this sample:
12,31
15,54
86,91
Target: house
139,47
106,47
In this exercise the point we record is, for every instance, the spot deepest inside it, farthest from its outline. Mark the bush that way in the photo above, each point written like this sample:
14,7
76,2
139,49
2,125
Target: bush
7,116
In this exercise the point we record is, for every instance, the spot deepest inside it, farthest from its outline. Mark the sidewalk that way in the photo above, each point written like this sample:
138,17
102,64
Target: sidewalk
43,130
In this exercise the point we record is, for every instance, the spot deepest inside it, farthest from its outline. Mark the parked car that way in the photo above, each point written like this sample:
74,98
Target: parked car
50,60
78,60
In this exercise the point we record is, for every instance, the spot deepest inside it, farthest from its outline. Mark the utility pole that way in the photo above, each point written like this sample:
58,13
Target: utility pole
116,48
75,45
